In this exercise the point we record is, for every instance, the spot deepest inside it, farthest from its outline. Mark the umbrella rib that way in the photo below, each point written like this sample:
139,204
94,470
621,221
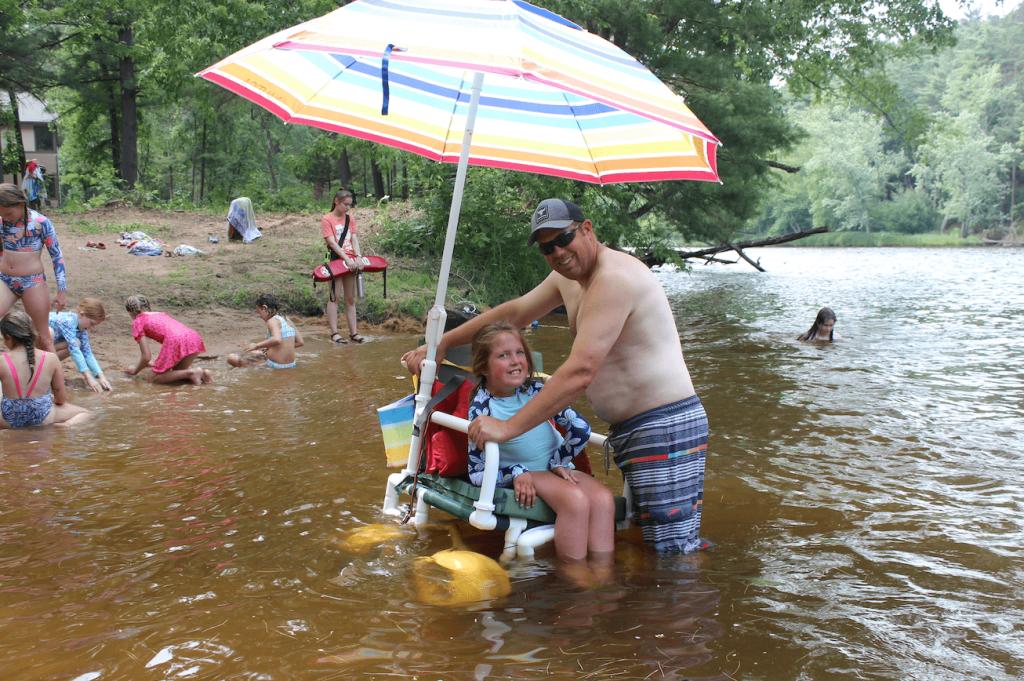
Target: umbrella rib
576,120
451,119
342,68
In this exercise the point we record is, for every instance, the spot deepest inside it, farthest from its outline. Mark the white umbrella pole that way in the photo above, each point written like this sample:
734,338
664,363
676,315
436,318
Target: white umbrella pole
437,317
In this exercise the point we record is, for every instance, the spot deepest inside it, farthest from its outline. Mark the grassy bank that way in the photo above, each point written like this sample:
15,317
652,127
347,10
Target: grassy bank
232,274
883,239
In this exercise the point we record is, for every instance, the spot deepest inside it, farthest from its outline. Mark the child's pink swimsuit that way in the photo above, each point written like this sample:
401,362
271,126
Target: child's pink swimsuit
176,340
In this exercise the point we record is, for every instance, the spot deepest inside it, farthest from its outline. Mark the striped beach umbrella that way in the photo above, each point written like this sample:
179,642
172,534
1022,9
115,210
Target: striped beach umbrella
410,74
558,100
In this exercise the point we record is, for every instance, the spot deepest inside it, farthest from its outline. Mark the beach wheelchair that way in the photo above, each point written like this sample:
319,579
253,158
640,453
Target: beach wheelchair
435,476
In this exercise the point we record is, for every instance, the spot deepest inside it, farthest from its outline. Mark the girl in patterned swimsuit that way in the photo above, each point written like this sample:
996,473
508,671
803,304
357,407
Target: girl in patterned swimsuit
71,339
278,350
539,462
179,345
43,401
23,236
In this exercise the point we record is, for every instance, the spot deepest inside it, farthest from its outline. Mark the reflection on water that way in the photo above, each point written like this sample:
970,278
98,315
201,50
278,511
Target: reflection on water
863,496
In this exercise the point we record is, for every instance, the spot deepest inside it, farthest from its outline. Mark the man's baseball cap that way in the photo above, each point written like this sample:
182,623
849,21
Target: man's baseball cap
553,214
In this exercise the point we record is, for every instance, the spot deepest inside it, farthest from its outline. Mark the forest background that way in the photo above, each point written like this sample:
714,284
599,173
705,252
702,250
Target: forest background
864,117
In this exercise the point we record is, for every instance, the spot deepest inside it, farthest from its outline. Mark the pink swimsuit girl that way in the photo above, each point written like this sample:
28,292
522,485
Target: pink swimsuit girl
177,341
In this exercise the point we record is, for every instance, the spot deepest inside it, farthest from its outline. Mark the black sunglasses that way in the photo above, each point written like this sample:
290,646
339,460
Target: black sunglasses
561,241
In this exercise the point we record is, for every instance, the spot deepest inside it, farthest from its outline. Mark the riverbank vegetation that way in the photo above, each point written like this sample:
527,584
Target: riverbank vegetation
895,119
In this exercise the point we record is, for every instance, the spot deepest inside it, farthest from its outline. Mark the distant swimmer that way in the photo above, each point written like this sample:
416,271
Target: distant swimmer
823,329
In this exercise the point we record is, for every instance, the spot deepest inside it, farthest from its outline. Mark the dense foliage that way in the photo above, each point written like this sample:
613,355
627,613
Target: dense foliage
870,100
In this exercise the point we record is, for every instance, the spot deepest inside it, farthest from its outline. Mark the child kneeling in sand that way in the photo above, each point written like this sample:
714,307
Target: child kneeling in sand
278,350
179,345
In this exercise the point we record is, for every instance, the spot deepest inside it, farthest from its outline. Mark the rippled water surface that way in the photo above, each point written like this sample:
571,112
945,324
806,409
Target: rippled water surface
865,498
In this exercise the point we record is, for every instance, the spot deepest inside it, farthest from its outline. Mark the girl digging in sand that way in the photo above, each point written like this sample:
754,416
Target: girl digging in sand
32,380
71,339
179,345
538,463
278,350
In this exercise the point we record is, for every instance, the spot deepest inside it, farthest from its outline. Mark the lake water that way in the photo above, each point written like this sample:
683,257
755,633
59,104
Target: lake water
865,498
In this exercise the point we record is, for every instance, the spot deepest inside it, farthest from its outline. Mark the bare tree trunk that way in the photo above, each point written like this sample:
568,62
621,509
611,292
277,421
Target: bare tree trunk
129,113
964,228
378,180
945,222
405,181
344,170
19,144
202,167
270,151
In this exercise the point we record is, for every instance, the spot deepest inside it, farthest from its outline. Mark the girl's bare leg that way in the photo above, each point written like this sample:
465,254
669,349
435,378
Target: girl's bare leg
571,504
175,375
62,350
69,414
37,304
332,308
350,282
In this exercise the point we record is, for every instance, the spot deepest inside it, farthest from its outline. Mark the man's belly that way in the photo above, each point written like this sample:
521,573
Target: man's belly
615,398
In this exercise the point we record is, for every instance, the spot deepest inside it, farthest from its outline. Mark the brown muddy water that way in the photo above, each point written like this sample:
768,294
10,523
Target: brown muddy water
865,498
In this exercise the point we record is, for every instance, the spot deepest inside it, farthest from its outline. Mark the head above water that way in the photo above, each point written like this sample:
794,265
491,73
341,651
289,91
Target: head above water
553,214
17,326
136,305
826,318
483,342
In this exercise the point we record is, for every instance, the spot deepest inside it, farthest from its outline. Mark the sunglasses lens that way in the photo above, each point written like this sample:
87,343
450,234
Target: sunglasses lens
561,241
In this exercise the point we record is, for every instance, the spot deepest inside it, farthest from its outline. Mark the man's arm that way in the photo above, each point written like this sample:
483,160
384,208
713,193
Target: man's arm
605,309
519,312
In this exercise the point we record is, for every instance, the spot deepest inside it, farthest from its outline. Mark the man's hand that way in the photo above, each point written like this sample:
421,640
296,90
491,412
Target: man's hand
526,494
486,429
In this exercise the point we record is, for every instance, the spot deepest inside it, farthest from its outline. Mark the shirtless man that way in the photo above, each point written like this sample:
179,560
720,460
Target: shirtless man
628,359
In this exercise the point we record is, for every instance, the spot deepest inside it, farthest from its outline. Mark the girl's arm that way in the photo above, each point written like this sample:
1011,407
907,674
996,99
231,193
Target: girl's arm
506,475
49,235
577,433
144,360
57,381
358,251
274,326
81,353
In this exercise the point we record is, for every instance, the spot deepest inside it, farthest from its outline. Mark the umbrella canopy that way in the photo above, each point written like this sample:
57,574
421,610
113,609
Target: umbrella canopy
560,102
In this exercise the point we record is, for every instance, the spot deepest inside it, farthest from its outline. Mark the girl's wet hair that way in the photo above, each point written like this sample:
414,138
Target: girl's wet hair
18,325
825,314
93,309
480,351
11,195
341,195
137,304
268,301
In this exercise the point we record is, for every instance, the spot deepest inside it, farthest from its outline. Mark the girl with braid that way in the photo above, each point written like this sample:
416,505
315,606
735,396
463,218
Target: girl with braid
32,381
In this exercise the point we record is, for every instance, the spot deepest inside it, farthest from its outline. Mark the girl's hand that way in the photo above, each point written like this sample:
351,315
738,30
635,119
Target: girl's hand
93,383
251,347
131,371
60,300
526,494
565,474
359,263
103,382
